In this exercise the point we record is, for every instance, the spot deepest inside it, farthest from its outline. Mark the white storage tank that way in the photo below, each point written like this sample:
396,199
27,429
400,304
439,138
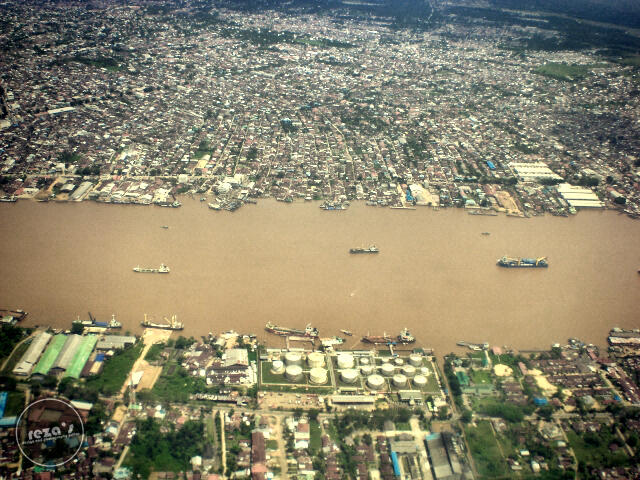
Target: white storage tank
293,358
364,361
315,360
277,367
425,371
420,381
318,376
399,380
366,369
387,369
415,359
398,361
345,360
408,370
375,382
294,372
349,375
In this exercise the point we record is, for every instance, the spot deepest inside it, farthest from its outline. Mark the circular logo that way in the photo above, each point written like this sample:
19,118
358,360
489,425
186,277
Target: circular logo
49,432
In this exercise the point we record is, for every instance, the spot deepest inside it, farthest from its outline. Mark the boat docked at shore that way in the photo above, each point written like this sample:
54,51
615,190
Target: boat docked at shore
370,249
518,262
383,339
334,206
309,331
172,324
162,269
93,323
406,337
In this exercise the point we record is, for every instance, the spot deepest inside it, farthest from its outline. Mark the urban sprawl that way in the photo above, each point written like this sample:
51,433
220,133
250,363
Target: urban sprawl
226,406
140,103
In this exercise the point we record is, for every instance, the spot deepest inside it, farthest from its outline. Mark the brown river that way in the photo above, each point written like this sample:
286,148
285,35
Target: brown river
289,264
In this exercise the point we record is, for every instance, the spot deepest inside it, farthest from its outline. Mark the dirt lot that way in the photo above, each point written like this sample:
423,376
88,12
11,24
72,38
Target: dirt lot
151,373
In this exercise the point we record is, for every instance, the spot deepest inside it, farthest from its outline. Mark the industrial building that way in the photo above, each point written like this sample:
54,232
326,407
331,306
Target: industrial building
534,171
50,355
444,460
31,356
579,197
115,342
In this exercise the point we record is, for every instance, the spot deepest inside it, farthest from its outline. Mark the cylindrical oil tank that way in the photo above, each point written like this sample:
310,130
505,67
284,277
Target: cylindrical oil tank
365,361
375,381
399,380
318,376
387,369
398,361
408,370
345,360
315,359
424,371
277,367
415,359
349,375
293,358
420,381
366,369
294,372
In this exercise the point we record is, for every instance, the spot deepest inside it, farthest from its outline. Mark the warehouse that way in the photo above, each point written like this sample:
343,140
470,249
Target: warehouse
67,354
115,342
579,197
50,355
31,356
81,356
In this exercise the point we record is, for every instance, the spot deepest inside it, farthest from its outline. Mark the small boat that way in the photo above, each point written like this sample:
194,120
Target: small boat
165,227
347,332
163,269
486,233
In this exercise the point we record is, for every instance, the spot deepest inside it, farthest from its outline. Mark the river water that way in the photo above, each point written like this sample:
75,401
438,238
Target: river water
289,264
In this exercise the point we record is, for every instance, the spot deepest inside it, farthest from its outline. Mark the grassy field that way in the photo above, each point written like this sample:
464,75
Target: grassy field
154,352
481,377
15,404
485,450
593,449
16,356
272,444
316,441
563,71
115,371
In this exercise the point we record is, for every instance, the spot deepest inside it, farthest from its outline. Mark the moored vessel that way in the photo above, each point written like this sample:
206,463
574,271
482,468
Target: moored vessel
377,339
406,337
172,324
518,262
309,331
347,332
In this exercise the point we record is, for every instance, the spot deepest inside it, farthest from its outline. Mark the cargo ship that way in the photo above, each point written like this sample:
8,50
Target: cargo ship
309,331
406,337
172,324
377,339
93,323
371,249
163,269
517,262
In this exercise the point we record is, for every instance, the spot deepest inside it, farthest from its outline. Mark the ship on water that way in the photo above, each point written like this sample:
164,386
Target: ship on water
163,269
383,339
93,323
406,337
309,331
371,249
334,206
517,262
172,324
347,332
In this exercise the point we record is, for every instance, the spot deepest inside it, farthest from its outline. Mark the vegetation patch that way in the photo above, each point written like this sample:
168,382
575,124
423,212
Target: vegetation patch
485,450
115,371
563,71
154,351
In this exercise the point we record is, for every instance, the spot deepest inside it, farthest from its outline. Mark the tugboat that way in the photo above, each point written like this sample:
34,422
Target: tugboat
371,249
163,269
406,337
309,331
172,324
